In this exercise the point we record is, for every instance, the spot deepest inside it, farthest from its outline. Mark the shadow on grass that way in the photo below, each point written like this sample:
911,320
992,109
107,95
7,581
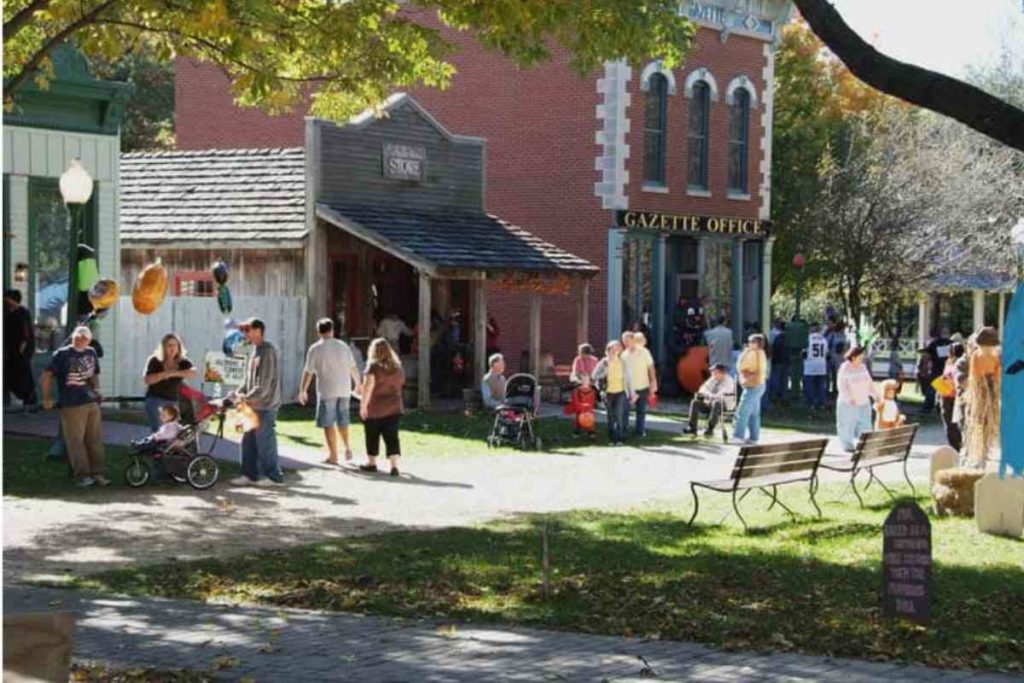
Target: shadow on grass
810,586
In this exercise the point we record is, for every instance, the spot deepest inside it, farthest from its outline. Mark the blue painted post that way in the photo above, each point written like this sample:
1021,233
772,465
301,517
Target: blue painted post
659,322
614,303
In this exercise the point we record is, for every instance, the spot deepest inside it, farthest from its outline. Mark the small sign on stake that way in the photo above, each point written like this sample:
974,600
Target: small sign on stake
907,563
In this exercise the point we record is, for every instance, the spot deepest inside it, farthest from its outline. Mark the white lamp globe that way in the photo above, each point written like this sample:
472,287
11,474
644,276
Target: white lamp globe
75,183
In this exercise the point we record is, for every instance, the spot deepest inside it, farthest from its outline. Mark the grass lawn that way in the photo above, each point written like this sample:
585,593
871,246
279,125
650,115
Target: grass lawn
810,586
29,473
448,433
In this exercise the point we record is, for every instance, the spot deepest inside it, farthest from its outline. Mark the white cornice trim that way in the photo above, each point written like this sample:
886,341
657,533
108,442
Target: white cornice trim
656,67
741,82
701,74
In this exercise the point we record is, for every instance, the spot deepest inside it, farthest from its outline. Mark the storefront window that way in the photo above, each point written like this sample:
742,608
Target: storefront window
739,134
718,277
637,283
697,164
48,246
654,130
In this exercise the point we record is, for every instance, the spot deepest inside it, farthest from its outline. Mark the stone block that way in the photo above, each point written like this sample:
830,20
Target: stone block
37,647
999,505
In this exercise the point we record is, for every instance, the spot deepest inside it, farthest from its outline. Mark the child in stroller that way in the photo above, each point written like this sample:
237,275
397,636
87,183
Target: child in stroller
514,418
174,449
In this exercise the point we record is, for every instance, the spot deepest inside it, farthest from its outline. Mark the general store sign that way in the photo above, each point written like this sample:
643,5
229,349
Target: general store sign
692,224
404,162
221,369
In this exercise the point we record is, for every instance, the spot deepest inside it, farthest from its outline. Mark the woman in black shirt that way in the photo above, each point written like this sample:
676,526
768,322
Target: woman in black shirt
165,371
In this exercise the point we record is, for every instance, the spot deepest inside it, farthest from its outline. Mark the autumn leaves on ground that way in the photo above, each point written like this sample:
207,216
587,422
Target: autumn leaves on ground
809,586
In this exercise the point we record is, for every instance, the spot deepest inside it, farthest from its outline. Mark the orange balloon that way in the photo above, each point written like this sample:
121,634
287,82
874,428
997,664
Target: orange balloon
692,368
587,420
150,288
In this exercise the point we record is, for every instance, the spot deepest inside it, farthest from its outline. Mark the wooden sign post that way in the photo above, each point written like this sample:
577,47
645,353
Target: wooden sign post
907,563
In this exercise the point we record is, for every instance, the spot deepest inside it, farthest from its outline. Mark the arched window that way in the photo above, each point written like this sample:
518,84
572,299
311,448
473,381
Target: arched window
739,139
697,165
654,130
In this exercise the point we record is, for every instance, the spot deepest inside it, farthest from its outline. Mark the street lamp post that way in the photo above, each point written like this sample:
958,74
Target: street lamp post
75,189
798,263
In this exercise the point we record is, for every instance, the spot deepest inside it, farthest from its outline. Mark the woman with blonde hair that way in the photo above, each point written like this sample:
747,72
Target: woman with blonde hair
166,369
618,391
752,368
381,408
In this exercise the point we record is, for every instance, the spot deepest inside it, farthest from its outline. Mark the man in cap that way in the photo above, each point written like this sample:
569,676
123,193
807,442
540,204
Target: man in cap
261,391
711,399
76,368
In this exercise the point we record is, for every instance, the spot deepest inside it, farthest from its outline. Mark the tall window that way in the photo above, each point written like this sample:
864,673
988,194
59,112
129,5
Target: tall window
739,137
654,130
697,166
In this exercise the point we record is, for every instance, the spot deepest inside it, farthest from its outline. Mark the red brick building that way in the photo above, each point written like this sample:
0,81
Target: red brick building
660,177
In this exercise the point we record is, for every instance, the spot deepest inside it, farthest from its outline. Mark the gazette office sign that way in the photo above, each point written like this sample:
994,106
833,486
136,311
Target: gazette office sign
692,224
404,162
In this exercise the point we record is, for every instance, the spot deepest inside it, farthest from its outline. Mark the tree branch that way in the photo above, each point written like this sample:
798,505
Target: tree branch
19,20
28,70
966,103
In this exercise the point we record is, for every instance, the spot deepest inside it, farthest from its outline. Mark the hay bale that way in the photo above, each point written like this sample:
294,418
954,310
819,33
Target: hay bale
953,491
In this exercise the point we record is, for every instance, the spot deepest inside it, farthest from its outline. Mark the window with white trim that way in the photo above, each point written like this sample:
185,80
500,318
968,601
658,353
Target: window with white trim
700,111
654,130
739,141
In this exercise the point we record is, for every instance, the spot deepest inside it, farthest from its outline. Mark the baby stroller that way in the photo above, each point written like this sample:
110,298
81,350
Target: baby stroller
180,457
513,421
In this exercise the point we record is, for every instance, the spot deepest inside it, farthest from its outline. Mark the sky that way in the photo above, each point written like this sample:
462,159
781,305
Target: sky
943,35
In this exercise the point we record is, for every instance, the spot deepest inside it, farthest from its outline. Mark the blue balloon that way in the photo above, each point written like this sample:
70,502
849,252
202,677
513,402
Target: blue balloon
230,324
233,339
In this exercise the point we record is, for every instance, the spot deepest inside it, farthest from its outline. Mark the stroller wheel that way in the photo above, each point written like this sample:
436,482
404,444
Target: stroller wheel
137,473
202,472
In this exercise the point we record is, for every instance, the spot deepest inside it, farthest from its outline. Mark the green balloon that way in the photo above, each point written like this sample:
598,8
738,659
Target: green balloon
88,274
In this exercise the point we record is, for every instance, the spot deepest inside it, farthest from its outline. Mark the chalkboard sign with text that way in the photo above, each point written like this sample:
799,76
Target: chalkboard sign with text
907,563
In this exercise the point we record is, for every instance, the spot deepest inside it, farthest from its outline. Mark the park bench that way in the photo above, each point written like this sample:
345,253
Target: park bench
767,467
883,447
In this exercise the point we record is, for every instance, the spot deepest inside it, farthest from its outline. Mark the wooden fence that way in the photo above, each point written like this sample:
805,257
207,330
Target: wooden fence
201,325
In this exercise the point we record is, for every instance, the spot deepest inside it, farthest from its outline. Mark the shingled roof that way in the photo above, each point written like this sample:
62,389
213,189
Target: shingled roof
464,240
242,195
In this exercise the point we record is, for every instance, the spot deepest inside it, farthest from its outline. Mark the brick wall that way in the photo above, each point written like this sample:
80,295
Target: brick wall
540,127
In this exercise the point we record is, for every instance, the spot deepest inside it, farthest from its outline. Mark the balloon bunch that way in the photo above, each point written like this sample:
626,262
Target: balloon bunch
220,274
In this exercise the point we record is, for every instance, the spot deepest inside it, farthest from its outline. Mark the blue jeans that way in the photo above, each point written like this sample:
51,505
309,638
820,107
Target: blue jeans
641,411
617,406
748,414
814,390
259,449
152,406
851,422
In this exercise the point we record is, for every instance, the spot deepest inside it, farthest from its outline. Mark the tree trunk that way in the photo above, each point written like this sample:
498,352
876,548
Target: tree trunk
966,103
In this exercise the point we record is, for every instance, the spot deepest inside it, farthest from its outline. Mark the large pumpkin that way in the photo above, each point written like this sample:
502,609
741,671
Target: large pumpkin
692,368
150,288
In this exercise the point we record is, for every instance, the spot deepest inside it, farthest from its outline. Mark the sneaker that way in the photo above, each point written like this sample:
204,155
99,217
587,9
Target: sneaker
394,471
85,482
242,481
101,480
268,483
368,468
689,432
749,442
708,433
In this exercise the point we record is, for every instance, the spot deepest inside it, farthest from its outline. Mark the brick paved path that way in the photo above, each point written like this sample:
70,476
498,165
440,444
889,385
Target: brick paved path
263,644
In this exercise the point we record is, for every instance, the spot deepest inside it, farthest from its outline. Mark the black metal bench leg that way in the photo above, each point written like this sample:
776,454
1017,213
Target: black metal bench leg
906,475
812,489
775,497
696,504
736,507
853,485
776,501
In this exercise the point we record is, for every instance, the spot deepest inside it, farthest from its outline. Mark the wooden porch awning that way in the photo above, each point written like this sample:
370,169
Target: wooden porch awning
444,244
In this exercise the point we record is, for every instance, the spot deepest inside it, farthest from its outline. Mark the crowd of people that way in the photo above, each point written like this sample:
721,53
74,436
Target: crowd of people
958,376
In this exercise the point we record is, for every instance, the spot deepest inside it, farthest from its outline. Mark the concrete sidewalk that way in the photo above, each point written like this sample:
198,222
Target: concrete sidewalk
281,645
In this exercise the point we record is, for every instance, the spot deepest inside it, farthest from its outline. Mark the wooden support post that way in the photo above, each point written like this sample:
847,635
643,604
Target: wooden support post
979,309
583,312
1002,314
535,335
423,399
479,329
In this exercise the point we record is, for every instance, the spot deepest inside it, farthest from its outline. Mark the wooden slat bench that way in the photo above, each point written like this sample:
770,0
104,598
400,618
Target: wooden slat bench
883,447
768,466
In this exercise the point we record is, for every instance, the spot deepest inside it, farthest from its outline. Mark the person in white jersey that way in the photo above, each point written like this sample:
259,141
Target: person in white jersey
815,368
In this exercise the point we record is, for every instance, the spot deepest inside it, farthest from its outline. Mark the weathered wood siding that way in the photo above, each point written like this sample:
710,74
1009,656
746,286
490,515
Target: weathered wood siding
351,160
254,272
201,326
